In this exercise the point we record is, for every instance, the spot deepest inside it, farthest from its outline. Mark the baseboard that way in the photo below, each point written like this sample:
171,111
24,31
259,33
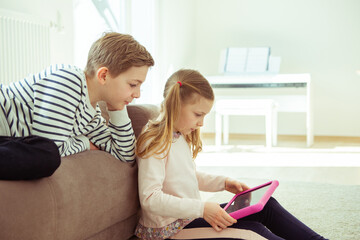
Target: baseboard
239,136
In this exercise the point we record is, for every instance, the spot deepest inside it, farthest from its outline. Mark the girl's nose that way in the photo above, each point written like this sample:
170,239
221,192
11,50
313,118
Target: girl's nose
201,123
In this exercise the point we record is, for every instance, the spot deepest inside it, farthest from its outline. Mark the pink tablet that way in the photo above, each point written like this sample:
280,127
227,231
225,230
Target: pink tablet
250,201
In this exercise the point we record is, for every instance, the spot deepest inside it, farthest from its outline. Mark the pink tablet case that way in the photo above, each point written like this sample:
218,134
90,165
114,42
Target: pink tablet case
255,207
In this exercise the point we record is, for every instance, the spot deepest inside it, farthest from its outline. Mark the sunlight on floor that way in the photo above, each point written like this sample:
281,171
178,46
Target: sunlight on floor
330,160
231,155
249,150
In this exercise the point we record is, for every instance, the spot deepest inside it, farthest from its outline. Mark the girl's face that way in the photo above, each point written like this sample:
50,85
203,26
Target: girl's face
192,115
122,89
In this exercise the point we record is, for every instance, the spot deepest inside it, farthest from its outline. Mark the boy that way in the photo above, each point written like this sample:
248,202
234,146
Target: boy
60,104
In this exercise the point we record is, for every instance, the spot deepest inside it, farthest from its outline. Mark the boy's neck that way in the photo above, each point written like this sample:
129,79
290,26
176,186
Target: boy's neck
92,91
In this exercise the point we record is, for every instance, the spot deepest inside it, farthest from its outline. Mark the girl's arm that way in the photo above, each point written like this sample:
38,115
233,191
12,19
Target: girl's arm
210,183
217,217
214,183
155,201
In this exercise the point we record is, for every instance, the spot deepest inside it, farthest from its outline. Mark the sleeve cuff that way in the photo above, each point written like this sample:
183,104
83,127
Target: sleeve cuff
85,140
119,117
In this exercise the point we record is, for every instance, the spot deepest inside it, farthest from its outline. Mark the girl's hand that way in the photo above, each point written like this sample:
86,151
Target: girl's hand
93,147
217,217
235,186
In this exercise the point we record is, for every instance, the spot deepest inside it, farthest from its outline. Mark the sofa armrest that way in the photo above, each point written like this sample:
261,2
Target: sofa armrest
140,114
90,192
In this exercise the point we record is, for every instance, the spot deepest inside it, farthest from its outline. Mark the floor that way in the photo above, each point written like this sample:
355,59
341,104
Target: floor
333,160
320,142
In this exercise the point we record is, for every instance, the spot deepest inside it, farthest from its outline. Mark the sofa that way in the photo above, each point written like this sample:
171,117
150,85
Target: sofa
92,195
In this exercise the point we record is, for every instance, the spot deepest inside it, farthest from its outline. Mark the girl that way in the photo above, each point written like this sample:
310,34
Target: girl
169,184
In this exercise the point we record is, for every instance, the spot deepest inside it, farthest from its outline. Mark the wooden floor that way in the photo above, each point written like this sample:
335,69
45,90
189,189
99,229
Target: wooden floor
286,140
333,160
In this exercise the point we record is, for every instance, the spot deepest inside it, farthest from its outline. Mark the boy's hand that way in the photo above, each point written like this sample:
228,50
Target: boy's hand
235,186
93,147
217,217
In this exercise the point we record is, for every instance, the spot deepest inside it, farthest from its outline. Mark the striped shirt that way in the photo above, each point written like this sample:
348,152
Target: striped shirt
55,104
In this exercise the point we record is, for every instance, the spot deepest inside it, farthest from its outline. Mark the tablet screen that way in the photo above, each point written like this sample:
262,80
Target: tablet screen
247,199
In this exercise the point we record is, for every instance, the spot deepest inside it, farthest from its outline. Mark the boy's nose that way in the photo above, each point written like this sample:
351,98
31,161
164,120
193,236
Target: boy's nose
136,93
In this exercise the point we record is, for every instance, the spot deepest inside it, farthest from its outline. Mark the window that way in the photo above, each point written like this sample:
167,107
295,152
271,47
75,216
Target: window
135,17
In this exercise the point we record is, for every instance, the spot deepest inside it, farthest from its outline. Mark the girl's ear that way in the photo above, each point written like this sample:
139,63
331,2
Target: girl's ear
101,75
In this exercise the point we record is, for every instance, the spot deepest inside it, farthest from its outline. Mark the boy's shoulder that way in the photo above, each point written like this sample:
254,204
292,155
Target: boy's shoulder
64,69
58,74
55,72
64,73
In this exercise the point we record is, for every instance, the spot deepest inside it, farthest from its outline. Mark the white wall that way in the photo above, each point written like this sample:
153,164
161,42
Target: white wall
62,50
320,37
175,37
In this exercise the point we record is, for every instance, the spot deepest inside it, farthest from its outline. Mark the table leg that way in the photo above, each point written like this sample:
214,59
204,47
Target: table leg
218,126
274,126
309,116
268,128
226,129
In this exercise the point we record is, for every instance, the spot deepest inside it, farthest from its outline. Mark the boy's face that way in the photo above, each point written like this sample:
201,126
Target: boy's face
122,89
192,114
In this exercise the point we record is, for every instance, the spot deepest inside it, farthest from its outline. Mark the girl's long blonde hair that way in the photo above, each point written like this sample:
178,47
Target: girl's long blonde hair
181,88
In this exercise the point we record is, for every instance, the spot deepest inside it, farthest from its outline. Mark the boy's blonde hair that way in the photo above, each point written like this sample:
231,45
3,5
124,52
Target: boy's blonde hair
156,139
118,52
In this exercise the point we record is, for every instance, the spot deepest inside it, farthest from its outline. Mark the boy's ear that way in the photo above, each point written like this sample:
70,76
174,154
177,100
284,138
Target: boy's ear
101,74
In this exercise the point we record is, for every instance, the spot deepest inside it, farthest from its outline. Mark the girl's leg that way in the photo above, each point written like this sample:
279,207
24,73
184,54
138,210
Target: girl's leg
25,158
282,223
200,229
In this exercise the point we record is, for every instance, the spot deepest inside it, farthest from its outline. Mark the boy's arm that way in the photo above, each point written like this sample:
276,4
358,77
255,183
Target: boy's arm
116,138
93,147
72,145
56,97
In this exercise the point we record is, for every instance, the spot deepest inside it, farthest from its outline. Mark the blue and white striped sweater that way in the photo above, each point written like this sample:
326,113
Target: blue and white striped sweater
55,104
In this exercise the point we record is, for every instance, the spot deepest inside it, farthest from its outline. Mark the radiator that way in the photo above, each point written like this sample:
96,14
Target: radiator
24,45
